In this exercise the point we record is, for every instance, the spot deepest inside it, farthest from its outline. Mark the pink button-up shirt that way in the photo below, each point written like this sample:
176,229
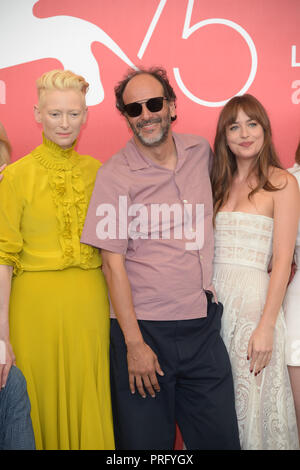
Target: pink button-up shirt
168,249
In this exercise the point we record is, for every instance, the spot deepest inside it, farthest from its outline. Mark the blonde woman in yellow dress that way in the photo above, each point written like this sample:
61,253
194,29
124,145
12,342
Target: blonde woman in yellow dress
57,322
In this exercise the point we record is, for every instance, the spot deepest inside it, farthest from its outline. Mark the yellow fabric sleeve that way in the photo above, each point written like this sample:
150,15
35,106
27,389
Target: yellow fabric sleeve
11,208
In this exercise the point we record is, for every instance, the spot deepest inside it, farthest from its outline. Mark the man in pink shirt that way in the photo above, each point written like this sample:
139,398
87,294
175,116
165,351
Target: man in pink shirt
151,215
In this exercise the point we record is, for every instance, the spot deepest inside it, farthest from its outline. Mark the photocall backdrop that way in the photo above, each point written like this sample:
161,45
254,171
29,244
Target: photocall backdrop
211,49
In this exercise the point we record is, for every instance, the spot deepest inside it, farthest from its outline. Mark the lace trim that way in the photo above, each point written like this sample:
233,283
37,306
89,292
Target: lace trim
239,219
243,239
264,404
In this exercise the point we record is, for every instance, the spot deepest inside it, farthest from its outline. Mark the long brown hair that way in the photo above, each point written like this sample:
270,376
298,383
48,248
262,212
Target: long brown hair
297,157
224,164
5,148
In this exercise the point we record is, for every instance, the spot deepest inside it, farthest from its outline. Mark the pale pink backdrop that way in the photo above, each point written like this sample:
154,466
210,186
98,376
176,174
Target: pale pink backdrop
214,61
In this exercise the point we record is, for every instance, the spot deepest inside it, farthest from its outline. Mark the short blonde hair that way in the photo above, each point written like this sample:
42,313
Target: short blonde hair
61,80
5,147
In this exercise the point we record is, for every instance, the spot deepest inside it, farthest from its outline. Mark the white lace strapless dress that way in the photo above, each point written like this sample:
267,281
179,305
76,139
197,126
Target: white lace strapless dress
264,404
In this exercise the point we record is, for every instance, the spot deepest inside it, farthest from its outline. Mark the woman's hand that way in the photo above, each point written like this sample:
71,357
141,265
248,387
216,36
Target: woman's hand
260,347
9,360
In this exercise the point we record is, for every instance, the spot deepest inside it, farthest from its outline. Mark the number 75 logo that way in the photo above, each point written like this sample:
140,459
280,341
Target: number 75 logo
188,30
69,39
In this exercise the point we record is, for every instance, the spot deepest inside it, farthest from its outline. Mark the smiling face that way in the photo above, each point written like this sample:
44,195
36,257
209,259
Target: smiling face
61,113
245,136
150,128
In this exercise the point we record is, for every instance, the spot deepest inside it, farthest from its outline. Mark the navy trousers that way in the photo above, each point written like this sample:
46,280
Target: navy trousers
196,390
16,431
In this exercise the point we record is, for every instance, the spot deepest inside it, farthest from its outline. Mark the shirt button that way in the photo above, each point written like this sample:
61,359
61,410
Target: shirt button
201,257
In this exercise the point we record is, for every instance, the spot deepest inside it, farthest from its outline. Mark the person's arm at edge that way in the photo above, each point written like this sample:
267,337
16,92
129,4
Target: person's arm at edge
5,287
286,216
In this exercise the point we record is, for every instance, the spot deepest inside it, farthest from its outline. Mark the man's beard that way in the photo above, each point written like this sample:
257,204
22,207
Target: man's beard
159,138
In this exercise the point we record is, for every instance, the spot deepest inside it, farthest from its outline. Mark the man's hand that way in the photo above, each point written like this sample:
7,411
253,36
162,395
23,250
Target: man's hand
143,366
1,169
142,362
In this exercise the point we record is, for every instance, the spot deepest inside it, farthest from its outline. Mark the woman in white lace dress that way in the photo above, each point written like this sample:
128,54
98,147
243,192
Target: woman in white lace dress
291,308
256,205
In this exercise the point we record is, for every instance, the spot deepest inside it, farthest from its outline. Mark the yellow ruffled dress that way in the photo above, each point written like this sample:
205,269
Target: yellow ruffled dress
59,312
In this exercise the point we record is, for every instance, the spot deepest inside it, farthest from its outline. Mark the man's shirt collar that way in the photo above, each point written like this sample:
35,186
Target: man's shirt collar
137,161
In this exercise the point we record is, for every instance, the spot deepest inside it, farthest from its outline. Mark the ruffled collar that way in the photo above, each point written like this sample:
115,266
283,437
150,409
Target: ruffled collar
52,156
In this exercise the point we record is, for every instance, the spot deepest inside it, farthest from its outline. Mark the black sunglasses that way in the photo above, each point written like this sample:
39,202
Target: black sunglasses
153,104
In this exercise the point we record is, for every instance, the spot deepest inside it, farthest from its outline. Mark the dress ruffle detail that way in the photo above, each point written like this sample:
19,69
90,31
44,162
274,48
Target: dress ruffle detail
58,162
53,157
63,212
81,204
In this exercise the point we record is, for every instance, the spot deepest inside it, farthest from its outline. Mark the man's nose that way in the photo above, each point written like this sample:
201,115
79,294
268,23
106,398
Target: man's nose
146,114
